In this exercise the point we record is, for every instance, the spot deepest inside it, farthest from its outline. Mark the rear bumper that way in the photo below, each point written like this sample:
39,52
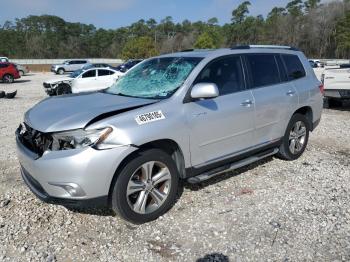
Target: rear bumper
315,124
340,93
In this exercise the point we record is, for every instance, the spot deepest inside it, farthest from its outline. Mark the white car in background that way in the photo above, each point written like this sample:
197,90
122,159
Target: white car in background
93,79
336,83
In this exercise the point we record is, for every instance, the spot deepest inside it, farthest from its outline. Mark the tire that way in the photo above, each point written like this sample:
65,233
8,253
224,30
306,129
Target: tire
9,79
130,188
63,89
295,136
60,71
21,73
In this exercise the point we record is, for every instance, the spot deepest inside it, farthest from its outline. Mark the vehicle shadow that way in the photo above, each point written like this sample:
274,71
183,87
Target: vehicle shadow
221,177
217,257
105,211
16,82
345,106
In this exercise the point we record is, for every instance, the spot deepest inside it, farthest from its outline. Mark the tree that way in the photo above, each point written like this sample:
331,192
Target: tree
239,14
140,47
205,41
343,35
213,21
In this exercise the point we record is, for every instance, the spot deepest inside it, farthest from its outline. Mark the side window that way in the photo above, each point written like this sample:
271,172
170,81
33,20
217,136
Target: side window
72,62
263,69
104,72
82,62
294,67
226,73
3,65
281,68
91,73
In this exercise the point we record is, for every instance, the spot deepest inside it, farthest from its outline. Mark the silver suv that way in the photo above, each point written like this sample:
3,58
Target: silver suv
68,66
185,116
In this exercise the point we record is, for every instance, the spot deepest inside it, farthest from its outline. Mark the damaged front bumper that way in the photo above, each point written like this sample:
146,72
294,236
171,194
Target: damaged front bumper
77,177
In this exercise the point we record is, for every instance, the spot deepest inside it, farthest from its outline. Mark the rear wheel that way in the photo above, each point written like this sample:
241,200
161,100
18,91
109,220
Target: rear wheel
146,187
60,71
295,138
8,79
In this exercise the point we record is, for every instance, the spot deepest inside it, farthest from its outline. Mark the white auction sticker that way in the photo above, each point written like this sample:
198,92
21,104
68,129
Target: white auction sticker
149,117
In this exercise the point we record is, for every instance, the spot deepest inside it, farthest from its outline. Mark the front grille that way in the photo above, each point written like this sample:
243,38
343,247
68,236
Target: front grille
34,140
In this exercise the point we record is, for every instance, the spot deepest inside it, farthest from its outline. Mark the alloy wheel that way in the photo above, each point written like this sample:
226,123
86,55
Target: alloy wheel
148,187
297,137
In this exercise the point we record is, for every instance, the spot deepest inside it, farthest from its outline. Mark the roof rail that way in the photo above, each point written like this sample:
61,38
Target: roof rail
265,46
198,50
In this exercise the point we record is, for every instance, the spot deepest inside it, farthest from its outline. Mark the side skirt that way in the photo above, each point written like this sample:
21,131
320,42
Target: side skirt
196,175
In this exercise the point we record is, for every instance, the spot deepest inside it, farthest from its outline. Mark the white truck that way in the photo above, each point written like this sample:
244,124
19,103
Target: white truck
336,83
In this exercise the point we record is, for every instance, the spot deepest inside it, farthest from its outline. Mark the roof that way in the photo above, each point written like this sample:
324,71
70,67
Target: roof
234,50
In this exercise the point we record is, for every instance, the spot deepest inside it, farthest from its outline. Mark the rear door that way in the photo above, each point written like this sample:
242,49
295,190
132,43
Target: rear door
86,82
275,97
223,126
105,78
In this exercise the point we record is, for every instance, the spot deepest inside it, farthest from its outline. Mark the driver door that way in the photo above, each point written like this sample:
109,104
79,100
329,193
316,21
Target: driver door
223,126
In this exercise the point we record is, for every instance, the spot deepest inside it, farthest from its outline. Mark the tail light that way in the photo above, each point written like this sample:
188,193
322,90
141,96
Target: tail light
321,87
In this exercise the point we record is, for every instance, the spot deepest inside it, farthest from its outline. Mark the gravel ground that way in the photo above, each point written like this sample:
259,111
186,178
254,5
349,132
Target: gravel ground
270,211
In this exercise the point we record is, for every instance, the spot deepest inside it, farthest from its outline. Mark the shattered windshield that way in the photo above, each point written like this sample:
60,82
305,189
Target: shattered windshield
156,78
76,73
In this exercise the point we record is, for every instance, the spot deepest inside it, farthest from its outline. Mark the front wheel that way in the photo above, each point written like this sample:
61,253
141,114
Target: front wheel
146,187
295,138
63,89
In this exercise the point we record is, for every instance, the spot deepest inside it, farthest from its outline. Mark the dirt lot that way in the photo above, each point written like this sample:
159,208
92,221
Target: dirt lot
270,211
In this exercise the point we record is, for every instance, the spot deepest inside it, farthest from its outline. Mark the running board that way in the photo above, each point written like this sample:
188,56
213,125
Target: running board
230,167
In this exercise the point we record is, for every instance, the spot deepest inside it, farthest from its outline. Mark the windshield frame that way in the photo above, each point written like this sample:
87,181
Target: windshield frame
195,62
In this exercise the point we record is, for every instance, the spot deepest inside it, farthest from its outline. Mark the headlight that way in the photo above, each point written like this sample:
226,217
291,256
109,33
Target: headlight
79,138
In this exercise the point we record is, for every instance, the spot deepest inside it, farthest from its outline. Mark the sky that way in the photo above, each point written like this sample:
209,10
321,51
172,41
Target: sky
112,14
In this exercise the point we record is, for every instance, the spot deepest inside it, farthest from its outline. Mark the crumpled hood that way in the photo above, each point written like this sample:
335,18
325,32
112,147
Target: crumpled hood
76,111
57,80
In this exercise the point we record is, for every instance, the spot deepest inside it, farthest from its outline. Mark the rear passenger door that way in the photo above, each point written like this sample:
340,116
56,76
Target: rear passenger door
223,126
275,97
105,78
86,82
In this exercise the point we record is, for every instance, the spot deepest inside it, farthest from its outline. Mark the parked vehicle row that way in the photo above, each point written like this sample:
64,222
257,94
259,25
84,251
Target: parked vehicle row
184,116
76,64
93,79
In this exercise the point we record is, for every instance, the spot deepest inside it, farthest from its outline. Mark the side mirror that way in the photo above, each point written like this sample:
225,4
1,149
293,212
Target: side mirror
204,90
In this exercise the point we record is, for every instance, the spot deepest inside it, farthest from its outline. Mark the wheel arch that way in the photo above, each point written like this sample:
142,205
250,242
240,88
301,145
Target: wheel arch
307,112
167,145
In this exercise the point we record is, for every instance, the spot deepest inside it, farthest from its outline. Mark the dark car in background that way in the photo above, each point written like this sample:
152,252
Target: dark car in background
128,65
8,72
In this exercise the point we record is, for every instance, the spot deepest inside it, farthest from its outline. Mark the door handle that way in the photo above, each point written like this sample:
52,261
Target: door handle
290,93
247,103
199,114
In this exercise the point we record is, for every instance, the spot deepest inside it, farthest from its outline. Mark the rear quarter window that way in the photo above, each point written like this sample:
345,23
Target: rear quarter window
263,69
295,68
